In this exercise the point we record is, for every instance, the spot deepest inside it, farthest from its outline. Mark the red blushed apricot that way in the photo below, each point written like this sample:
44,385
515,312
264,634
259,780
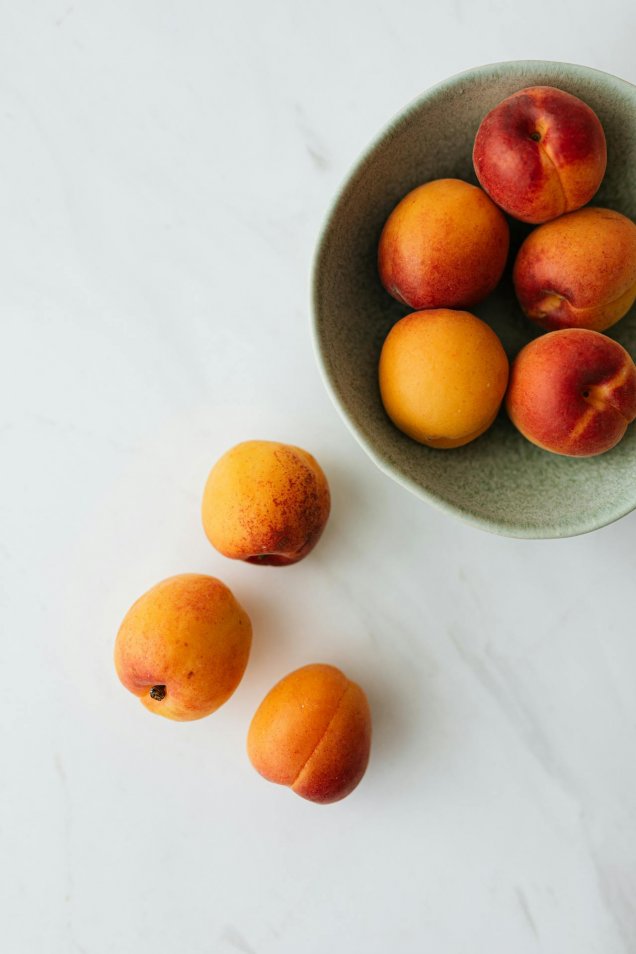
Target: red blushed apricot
578,271
573,392
266,503
312,732
540,153
183,646
444,246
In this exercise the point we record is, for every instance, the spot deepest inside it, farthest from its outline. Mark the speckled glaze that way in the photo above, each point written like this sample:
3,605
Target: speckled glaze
500,482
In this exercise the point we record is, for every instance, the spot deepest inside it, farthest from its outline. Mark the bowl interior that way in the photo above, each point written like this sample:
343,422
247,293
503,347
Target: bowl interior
500,482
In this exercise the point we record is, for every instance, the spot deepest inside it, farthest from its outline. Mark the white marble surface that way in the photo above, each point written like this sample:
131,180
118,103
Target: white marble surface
164,171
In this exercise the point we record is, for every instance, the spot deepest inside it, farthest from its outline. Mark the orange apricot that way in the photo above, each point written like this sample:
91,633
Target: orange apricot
265,502
443,376
443,246
183,646
312,732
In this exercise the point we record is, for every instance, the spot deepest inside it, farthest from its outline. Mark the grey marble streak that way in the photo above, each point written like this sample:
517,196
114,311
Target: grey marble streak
529,701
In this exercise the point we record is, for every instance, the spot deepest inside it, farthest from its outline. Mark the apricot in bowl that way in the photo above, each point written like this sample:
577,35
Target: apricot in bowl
443,375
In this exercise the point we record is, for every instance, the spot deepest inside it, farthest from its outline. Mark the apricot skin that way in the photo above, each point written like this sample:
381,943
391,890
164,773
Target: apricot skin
540,153
266,503
444,246
578,271
443,376
183,646
573,392
312,733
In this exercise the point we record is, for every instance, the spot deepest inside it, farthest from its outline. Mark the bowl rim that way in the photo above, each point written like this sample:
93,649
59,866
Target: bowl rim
501,527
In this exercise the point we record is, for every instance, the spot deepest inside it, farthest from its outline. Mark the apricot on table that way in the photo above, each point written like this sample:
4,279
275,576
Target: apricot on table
183,646
443,376
540,153
443,246
578,271
312,732
573,392
265,502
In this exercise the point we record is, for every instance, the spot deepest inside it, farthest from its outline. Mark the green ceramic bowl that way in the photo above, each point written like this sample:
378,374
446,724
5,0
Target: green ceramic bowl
500,482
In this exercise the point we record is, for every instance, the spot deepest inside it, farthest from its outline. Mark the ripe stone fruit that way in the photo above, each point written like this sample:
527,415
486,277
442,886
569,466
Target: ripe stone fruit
265,502
312,732
443,375
573,392
578,271
539,153
444,246
183,646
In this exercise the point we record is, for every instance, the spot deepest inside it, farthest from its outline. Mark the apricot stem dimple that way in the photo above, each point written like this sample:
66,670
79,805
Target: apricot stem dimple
536,136
545,306
596,396
158,693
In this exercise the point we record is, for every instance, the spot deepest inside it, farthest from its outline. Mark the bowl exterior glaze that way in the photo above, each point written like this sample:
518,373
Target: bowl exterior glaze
500,482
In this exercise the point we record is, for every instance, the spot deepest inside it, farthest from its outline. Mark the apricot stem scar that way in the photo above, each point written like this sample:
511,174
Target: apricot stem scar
536,136
158,693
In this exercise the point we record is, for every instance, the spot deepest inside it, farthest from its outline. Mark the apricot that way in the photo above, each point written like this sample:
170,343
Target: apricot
183,646
312,732
573,392
578,271
443,375
540,153
443,246
265,502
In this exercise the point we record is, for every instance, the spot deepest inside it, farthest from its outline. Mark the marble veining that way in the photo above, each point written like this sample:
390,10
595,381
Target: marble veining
164,175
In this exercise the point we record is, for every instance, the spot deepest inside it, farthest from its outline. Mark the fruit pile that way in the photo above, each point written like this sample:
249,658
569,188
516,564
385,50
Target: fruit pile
540,156
183,646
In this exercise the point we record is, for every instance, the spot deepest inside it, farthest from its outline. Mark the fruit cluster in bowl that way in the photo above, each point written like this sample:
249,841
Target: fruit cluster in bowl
540,156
